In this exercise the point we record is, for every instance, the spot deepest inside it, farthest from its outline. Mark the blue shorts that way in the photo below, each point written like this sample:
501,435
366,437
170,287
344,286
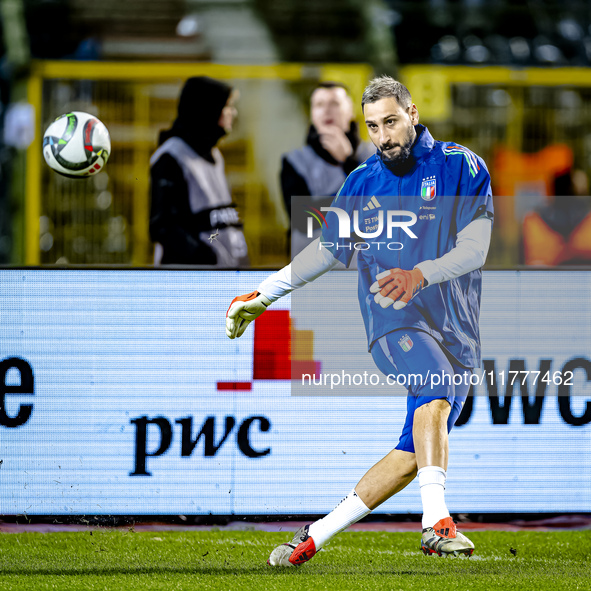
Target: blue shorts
418,356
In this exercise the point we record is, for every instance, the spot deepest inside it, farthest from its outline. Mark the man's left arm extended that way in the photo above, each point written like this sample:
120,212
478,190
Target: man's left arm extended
398,286
468,254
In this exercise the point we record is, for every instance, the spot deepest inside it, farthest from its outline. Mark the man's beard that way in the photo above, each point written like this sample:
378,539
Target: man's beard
402,161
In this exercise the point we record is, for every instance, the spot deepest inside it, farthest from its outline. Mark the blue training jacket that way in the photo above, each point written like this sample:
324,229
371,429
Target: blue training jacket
447,188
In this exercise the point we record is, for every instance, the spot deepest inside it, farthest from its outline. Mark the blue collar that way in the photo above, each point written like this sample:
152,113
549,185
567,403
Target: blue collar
423,144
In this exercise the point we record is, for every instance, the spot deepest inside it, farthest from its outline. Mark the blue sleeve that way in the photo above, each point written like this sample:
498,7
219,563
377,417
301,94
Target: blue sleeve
337,227
475,193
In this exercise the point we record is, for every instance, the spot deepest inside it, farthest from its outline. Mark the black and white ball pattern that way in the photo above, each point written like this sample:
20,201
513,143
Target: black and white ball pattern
76,145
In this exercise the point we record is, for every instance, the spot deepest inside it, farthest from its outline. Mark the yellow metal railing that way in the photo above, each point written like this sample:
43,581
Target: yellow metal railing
431,85
33,176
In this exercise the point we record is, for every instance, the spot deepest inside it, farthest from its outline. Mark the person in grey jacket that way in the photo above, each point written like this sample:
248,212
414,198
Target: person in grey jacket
193,220
315,172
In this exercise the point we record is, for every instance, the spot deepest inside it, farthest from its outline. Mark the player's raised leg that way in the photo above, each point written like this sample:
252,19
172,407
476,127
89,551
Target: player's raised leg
311,538
428,420
389,476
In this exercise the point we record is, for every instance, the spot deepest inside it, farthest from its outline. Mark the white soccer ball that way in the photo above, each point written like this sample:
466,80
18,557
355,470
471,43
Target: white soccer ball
76,145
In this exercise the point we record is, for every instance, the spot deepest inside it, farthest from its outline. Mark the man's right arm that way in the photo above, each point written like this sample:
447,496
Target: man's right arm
307,266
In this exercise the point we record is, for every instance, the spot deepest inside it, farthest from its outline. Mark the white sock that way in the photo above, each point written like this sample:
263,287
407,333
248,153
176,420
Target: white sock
432,483
350,510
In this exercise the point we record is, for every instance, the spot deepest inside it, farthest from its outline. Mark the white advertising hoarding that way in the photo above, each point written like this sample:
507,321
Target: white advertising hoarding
121,394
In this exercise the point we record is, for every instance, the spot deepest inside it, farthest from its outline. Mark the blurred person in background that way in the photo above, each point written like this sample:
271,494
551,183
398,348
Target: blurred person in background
333,150
559,232
193,220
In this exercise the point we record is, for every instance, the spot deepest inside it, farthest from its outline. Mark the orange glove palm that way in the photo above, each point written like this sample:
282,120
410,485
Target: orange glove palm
397,287
242,311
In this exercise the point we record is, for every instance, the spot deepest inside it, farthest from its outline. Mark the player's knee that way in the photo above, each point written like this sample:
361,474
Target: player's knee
432,405
433,412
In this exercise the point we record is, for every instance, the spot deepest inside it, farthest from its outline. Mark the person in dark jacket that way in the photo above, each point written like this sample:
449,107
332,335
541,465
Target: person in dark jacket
192,218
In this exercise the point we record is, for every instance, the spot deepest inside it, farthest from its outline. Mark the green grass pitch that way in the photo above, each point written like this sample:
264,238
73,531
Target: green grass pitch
236,560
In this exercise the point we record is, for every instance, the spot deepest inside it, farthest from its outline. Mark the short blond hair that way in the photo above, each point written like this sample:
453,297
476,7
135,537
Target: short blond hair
386,87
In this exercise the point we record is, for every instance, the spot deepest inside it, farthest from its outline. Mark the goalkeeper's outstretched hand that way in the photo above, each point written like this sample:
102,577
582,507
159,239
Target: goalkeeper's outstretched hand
397,287
242,311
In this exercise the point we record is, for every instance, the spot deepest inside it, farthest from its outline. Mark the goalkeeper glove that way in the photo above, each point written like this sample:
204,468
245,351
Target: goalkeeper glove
242,311
397,287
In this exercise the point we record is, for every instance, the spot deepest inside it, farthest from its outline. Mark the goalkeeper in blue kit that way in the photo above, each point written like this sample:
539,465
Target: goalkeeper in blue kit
424,211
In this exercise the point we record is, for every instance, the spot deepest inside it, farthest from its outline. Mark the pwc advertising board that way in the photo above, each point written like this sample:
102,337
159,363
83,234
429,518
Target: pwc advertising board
121,394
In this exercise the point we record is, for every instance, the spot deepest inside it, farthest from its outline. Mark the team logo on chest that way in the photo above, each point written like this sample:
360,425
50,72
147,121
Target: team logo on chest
428,188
